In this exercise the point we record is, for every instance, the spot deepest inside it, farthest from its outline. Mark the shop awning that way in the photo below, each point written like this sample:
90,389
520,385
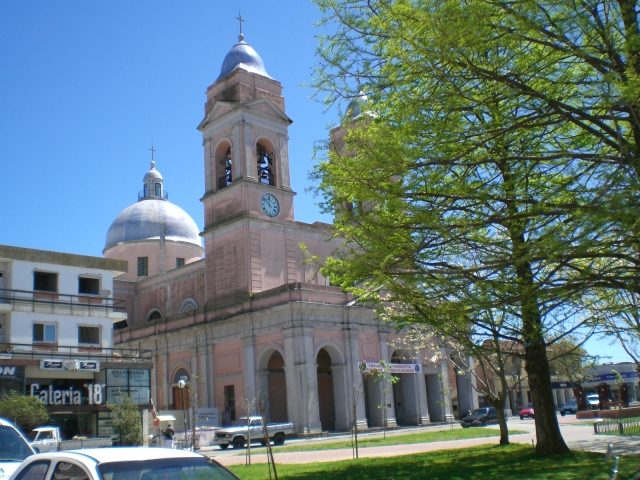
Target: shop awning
166,418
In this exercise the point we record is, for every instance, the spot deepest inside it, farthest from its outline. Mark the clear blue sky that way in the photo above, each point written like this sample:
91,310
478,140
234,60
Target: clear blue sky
88,86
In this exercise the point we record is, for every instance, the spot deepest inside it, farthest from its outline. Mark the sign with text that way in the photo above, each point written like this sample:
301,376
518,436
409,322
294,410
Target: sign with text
392,368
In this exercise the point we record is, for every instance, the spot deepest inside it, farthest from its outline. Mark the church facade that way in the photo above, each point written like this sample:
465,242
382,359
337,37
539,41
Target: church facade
250,317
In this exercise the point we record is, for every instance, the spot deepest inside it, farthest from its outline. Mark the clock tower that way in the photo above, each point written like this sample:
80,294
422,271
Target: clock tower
248,201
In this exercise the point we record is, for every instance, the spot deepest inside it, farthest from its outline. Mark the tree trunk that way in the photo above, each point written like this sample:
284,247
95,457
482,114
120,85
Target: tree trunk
498,404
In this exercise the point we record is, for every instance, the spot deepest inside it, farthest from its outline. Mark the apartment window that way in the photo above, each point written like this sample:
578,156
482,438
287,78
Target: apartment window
44,332
89,335
88,286
45,281
143,266
179,262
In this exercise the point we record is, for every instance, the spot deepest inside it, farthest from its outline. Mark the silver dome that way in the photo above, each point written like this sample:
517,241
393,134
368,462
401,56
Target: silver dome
148,219
242,56
153,173
357,105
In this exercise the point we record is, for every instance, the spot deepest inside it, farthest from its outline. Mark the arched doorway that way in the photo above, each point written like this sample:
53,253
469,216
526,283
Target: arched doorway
326,400
180,396
277,385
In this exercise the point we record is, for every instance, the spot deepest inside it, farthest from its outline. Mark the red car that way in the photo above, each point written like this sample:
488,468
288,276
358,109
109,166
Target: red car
527,412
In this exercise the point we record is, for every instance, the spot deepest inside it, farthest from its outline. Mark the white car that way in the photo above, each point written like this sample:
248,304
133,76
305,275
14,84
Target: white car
14,448
121,463
593,401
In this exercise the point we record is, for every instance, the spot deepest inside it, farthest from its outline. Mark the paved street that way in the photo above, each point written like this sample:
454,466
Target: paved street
578,436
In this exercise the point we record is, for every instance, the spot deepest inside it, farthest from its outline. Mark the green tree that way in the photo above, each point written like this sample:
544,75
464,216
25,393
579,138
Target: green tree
495,169
25,411
126,421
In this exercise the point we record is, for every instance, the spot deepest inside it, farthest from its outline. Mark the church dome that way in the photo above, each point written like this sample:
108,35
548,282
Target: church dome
153,217
242,56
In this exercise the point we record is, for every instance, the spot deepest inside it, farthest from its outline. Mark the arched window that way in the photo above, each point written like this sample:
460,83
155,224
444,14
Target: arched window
154,314
265,165
187,305
224,169
181,373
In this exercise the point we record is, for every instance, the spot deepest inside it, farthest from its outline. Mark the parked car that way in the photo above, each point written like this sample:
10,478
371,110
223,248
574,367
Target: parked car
480,417
570,407
121,463
14,448
48,439
593,401
527,412
238,435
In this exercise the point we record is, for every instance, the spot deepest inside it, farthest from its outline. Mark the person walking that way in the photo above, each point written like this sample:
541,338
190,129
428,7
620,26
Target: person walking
169,433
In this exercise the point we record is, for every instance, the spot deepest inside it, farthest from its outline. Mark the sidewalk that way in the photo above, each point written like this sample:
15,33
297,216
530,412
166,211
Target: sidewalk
577,437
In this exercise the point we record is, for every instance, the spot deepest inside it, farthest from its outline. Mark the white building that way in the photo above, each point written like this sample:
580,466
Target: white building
57,313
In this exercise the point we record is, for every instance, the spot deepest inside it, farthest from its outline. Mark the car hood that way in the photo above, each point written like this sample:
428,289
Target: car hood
471,418
7,469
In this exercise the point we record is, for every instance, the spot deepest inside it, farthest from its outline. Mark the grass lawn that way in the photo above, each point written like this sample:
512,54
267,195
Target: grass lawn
515,461
420,437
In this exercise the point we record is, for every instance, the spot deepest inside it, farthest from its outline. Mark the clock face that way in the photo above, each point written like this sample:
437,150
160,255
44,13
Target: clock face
270,205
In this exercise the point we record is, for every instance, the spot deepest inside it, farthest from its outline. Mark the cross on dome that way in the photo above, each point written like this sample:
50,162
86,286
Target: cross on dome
239,18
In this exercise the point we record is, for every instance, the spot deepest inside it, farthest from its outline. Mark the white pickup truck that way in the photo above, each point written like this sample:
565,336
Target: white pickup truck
238,435
48,439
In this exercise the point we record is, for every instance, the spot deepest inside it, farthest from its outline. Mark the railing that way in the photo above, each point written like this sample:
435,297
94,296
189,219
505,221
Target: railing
89,302
53,351
622,426
141,195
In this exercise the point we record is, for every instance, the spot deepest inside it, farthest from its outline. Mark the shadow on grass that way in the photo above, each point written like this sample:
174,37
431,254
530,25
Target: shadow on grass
484,462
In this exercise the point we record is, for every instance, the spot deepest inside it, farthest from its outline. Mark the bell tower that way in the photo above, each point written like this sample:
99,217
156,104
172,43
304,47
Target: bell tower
248,196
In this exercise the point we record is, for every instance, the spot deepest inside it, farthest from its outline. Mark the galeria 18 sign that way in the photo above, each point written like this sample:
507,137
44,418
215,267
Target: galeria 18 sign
68,396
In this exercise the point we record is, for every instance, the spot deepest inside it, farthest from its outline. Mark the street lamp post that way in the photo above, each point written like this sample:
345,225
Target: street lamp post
181,384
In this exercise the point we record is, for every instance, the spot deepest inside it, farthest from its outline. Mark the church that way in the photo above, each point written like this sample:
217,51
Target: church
245,312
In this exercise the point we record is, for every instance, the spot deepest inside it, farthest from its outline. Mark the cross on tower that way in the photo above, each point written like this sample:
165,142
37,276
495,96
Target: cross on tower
239,18
152,151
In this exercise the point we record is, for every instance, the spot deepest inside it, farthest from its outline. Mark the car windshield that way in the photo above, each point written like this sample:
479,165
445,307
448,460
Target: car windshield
12,446
241,422
166,469
480,411
593,396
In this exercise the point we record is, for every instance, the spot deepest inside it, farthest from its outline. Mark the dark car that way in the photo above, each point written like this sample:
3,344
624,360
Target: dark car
570,407
527,412
480,417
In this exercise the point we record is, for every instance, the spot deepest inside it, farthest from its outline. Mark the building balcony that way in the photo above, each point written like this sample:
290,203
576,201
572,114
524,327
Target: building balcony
61,304
39,351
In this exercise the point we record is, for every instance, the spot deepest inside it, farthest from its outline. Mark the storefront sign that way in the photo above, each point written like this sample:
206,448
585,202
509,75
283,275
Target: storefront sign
70,365
10,371
88,365
612,376
393,368
49,395
63,365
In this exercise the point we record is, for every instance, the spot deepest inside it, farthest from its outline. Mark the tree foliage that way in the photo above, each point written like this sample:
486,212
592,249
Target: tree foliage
495,166
126,421
25,411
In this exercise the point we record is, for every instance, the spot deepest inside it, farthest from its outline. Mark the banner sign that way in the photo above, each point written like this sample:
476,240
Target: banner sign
393,368
612,376
89,365
51,395
70,365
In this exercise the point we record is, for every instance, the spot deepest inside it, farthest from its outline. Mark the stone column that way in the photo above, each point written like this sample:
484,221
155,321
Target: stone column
355,385
163,354
386,389
249,369
262,386
445,396
302,379
467,394
421,387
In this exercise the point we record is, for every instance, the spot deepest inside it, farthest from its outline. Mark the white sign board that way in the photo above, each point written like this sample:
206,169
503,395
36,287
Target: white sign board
392,368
